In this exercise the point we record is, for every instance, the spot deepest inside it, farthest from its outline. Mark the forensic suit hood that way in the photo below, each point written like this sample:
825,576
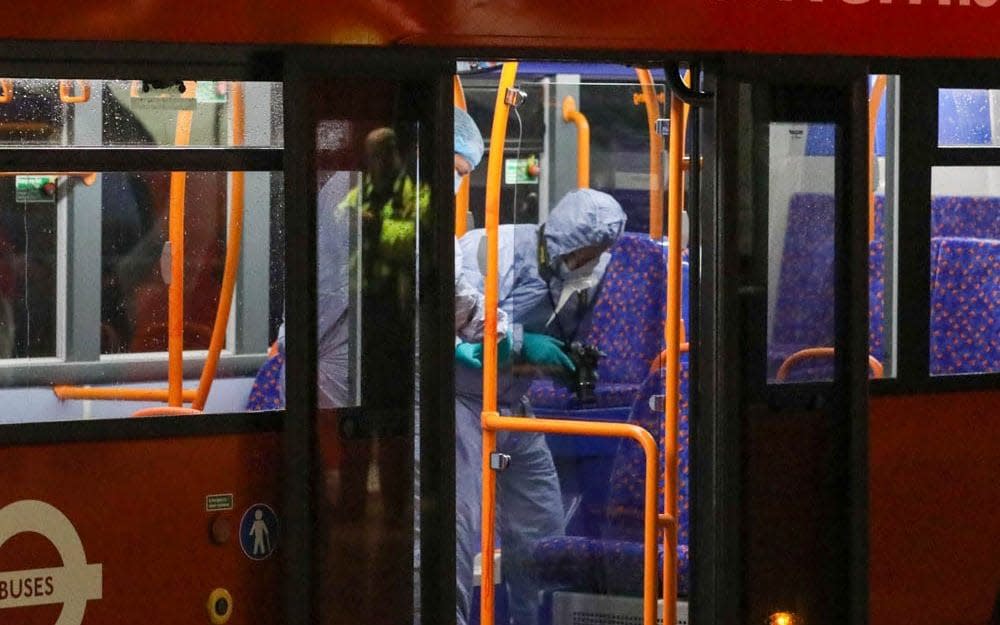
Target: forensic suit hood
583,218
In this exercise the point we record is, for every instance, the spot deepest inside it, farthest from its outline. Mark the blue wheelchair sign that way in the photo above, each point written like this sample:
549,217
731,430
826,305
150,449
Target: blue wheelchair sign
259,532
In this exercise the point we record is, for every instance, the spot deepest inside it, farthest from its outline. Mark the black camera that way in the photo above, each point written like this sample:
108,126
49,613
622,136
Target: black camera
585,357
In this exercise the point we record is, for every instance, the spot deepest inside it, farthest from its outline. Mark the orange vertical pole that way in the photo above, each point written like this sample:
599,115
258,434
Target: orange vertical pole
234,241
874,100
655,153
175,296
462,197
673,340
571,114
498,137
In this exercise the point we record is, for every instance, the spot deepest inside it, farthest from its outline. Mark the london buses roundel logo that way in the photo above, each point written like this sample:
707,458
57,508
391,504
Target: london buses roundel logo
72,584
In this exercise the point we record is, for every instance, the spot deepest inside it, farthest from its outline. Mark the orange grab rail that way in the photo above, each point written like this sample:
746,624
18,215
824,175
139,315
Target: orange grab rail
6,90
655,153
462,197
874,101
812,353
571,114
175,296
122,394
165,411
233,244
498,136
672,340
66,92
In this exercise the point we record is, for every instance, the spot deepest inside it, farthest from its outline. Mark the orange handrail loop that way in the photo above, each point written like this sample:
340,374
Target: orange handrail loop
66,92
462,197
234,242
649,98
6,90
572,115
493,422
812,353
874,101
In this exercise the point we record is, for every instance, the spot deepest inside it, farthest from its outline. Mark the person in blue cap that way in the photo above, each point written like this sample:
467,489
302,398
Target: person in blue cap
549,277
469,311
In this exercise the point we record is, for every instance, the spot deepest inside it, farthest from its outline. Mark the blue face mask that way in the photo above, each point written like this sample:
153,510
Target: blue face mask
458,182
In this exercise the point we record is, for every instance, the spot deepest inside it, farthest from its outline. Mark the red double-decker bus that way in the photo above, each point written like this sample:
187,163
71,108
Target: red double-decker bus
787,415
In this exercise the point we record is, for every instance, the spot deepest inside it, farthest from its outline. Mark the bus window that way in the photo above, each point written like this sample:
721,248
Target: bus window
541,160
800,271
965,235
801,251
373,206
883,217
28,268
965,270
87,256
137,113
968,118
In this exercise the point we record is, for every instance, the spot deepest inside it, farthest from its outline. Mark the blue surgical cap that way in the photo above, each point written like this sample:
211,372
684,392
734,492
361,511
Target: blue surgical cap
468,140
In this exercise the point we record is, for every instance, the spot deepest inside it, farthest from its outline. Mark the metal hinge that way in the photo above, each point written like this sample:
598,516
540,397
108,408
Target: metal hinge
657,403
499,461
663,127
514,97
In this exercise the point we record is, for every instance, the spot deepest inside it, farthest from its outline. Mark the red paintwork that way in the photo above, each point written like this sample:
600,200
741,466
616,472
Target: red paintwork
139,509
935,508
855,27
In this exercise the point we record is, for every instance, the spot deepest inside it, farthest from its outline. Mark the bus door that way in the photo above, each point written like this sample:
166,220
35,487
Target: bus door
783,354
369,146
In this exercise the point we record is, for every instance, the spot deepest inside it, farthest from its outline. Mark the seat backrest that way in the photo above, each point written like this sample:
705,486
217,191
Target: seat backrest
626,495
627,319
965,306
803,314
804,309
965,216
635,203
876,299
811,370
266,391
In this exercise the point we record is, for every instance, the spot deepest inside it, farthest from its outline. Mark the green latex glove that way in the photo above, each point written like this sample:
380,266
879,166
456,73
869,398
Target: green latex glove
504,348
471,354
542,349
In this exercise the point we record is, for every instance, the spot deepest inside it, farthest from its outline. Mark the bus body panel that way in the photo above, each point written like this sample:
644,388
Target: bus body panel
152,514
935,508
959,28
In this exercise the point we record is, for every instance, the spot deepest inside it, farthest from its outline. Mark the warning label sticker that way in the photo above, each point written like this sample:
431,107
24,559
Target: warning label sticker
219,502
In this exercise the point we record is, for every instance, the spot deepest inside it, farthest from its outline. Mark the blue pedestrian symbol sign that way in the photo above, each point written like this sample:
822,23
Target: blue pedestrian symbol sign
259,532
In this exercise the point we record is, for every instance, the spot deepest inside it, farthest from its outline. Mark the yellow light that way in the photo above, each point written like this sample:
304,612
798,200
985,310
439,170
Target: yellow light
783,618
